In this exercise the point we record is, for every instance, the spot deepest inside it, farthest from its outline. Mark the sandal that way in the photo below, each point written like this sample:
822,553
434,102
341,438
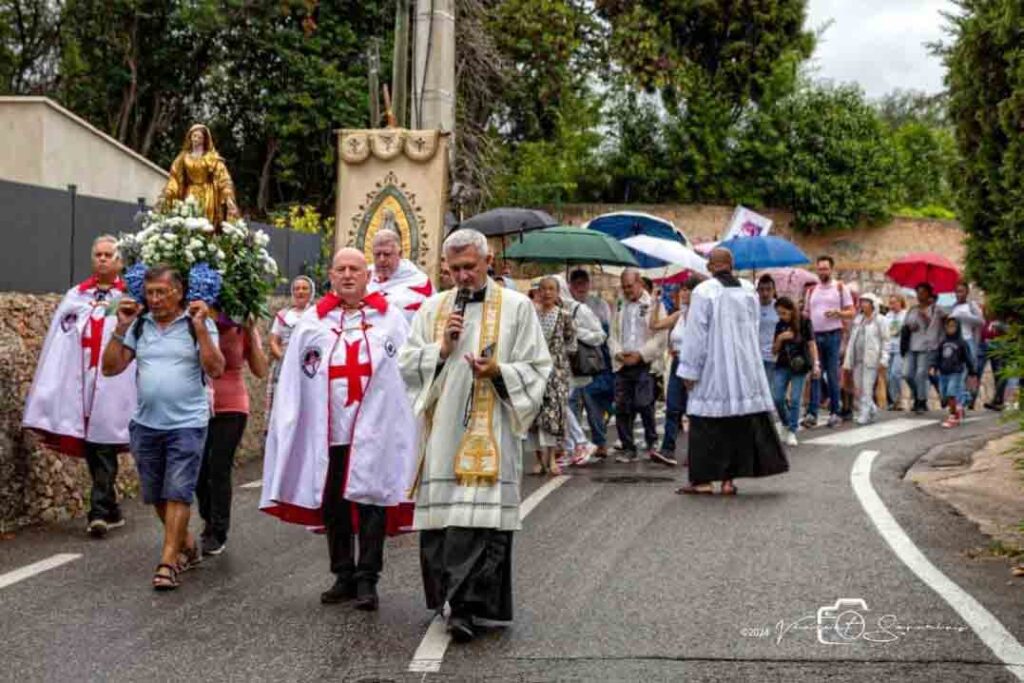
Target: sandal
695,489
165,582
728,489
189,558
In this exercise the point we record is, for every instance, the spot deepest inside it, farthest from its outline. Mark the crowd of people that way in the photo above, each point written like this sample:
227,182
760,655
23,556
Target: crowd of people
394,408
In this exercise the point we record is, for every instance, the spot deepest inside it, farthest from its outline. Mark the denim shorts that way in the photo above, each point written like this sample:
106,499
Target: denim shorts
168,461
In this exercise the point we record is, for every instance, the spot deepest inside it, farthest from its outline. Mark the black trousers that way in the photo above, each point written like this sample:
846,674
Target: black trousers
340,531
634,393
213,490
102,462
471,569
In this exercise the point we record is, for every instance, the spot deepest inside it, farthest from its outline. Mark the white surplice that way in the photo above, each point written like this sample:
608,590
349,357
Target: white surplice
721,351
525,364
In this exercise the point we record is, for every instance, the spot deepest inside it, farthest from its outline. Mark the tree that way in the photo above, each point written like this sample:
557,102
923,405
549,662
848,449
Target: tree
635,158
29,45
710,60
823,153
926,157
986,85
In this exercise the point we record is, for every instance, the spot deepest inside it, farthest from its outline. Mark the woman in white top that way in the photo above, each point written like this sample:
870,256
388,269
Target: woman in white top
675,400
867,354
303,293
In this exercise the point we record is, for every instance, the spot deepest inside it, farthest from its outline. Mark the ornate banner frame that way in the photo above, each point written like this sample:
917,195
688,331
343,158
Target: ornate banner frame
394,179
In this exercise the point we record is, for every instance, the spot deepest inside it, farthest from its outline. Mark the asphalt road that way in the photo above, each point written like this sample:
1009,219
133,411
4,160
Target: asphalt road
616,578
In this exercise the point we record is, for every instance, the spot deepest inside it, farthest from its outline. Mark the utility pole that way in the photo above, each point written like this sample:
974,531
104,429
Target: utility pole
373,61
400,66
434,81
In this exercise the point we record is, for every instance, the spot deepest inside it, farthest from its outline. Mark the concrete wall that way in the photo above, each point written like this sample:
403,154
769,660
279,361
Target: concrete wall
45,144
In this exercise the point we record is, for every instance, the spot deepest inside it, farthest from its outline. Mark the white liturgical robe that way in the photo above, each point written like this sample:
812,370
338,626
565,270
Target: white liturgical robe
720,351
441,393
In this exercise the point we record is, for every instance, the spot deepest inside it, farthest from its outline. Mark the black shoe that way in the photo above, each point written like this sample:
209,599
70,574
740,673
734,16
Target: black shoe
97,528
920,408
343,590
461,629
212,545
659,457
114,522
997,407
366,597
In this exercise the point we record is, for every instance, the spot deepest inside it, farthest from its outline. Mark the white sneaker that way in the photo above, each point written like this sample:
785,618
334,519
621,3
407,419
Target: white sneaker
791,439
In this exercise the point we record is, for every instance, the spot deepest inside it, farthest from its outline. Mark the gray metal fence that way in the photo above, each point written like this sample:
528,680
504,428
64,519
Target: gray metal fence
46,236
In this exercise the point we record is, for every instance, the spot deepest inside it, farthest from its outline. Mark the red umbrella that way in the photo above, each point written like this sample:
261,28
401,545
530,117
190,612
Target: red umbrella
914,269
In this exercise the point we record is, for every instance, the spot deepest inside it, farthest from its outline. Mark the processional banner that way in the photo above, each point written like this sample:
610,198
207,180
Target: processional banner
393,179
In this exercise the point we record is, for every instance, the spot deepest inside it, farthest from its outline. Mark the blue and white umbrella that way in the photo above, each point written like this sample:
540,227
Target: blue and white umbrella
625,224
756,253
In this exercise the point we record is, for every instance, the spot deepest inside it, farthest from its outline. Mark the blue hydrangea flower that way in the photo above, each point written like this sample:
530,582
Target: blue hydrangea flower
133,280
204,284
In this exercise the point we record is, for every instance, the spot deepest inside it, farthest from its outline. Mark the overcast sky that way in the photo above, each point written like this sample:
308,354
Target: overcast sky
879,44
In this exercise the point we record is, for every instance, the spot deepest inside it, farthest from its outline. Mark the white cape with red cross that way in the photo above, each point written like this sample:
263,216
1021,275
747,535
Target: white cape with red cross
406,289
382,458
60,397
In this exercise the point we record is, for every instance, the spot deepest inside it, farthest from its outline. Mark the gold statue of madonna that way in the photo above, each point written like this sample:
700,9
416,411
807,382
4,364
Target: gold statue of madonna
198,171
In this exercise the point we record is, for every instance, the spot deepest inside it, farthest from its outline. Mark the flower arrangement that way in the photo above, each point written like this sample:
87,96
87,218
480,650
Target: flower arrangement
230,267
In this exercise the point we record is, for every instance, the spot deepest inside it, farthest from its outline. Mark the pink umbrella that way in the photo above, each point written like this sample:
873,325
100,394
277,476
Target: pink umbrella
791,281
704,248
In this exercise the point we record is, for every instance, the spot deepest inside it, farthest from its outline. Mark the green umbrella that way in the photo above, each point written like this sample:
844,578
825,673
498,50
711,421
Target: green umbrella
567,245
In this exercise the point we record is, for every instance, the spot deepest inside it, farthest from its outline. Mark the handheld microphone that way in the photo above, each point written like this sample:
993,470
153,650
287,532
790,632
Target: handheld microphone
461,301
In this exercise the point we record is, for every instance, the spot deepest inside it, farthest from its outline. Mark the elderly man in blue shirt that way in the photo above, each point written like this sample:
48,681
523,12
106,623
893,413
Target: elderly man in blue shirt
175,351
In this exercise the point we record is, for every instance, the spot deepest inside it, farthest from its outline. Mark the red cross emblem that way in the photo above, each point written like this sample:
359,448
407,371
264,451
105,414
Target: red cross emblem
95,341
353,371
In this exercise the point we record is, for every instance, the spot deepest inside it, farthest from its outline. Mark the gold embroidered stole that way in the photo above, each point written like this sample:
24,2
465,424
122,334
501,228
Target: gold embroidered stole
478,460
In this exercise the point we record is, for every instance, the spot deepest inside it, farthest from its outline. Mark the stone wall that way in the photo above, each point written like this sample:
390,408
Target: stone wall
36,484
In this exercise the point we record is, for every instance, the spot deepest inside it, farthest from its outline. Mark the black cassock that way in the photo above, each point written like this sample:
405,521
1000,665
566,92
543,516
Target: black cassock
471,569
734,447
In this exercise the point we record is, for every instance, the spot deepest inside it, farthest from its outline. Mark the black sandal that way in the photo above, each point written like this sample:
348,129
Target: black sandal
164,582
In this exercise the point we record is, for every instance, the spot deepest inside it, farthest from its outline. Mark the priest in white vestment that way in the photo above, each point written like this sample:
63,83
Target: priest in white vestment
71,404
404,285
476,366
732,432
341,439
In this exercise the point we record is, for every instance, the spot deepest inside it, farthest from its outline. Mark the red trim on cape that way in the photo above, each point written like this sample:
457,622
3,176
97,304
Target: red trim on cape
426,289
397,519
90,282
330,301
67,445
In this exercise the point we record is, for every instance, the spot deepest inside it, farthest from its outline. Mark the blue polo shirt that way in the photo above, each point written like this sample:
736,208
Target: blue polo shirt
172,394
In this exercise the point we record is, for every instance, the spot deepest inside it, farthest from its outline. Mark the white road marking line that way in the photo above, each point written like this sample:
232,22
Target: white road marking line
859,435
258,484
430,653
39,567
984,623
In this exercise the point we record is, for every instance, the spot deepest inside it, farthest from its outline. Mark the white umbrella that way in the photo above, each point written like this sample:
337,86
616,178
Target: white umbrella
672,253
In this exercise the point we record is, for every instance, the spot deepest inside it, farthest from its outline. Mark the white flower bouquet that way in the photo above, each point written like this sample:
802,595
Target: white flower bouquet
183,238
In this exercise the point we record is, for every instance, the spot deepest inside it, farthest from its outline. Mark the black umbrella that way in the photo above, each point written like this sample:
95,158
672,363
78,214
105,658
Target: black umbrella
507,221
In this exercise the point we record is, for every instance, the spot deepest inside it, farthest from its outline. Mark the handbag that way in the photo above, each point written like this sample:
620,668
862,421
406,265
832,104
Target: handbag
587,360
